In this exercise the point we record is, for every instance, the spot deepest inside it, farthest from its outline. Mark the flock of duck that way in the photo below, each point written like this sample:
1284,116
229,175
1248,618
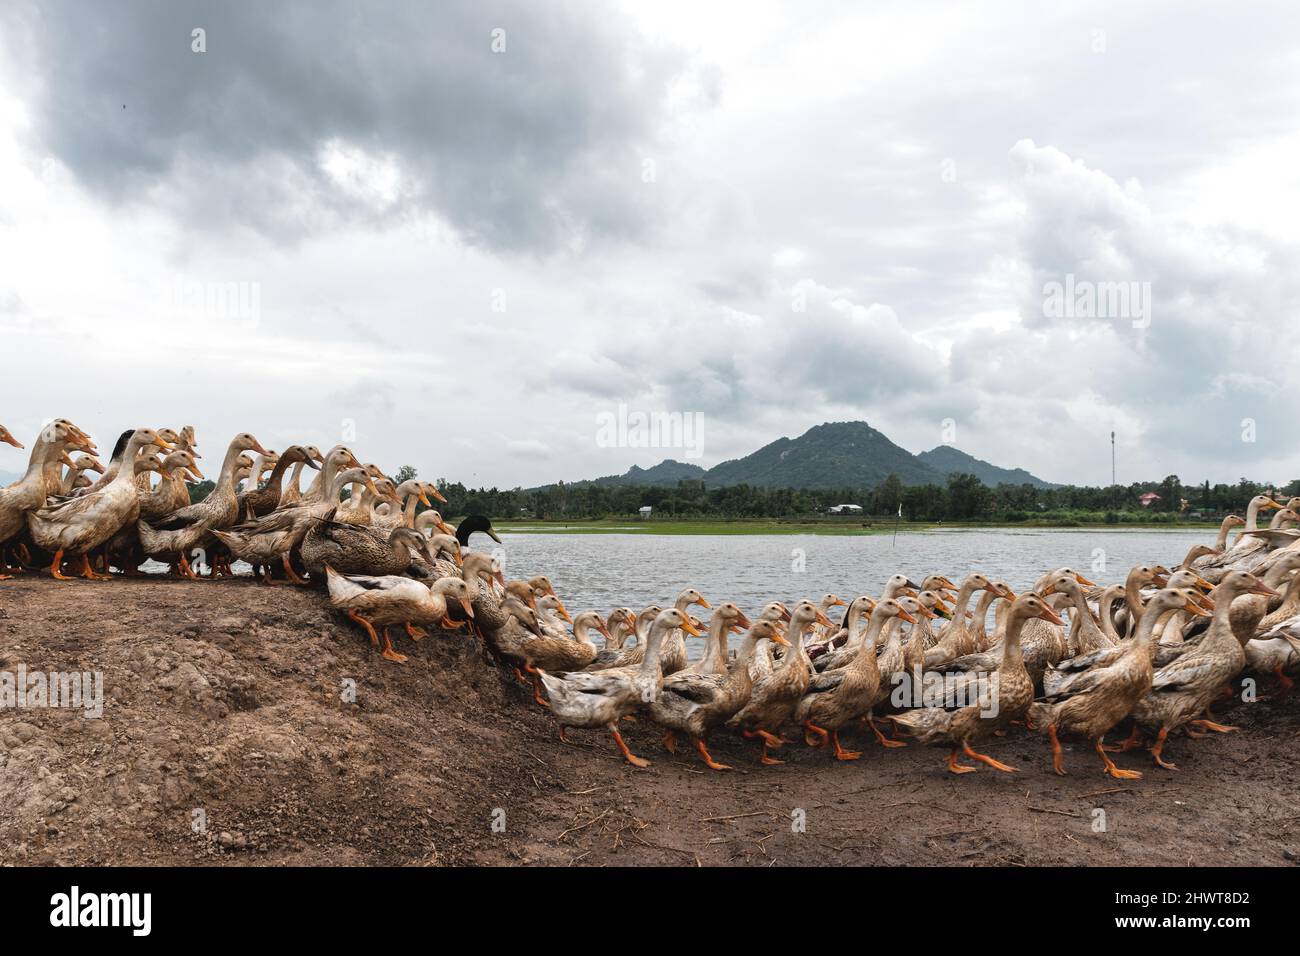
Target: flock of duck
1154,653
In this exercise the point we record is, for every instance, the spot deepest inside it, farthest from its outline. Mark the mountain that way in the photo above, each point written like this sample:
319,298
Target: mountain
951,461
665,474
833,455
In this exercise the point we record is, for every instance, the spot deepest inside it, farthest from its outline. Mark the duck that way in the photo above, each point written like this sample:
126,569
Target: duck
356,549
836,697
1182,690
292,493
410,494
188,528
592,699
673,655
75,476
695,703
124,549
259,501
386,600
76,526
561,653
775,695
30,491
7,438
955,637
623,656
1004,698
1093,701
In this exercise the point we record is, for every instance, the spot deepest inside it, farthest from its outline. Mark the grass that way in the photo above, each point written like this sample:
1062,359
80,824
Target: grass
742,526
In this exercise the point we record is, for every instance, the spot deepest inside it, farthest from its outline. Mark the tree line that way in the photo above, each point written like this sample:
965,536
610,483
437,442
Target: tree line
963,498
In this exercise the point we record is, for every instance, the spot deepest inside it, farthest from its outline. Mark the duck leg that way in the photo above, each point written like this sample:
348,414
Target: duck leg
289,572
840,752
537,692
1158,749
670,741
56,565
1287,683
1111,769
388,651
986,759
870,721
415,633
1131,742
630,757
955,767
821,739
708,760
89,573
1057,763
1213,725
370,629
765,759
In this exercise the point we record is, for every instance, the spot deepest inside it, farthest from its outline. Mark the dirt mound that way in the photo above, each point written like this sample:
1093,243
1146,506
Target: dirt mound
245,724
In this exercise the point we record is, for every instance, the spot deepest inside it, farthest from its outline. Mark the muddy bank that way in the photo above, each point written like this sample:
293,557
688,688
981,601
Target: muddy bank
249,725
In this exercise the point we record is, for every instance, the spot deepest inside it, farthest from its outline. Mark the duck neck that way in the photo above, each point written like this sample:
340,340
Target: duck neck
1011,650
715,652
653,651
1225,526
963,601
1133,597
1252,517
865,658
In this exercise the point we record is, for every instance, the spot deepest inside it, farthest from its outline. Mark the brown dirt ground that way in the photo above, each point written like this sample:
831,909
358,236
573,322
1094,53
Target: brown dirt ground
224,697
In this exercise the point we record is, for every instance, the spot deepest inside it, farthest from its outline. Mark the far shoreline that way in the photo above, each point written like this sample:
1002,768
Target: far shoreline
746,526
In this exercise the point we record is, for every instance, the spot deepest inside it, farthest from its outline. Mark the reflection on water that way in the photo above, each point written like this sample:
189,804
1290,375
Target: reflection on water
602,571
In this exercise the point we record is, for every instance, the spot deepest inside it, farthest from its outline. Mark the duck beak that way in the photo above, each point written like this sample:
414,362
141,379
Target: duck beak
785,615
604,631
690,628
66,459
1047,614
257,447
822,619
703,603
928,613
912,584
500,578
1050,589
779,638
945,582
1203,584
564,612
468,608
442,526
839,602
1082,580
743,622
1193,608
438,495
198,475
311,463
907,591
1261,588
9,439
904,616
424,499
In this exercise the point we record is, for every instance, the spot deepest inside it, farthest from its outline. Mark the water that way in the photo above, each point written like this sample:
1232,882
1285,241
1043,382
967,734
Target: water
603,571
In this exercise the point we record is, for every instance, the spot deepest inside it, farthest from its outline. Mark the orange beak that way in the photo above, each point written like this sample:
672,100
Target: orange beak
424,499
703,603
690,628
438,496
564,613
600,626
838,602
823,619
194,470
904,616
1047,614
1082,580
469,608
9,439
779,638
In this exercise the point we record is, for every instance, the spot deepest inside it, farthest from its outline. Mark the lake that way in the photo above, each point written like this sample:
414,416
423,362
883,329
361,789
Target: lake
603,571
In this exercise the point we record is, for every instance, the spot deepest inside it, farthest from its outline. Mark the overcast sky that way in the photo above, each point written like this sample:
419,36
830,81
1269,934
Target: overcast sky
465,231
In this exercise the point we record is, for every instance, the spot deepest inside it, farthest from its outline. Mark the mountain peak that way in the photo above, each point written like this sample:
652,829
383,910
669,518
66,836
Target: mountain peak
951,461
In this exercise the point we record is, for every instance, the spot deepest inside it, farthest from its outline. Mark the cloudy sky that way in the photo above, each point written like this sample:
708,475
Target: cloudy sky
463,232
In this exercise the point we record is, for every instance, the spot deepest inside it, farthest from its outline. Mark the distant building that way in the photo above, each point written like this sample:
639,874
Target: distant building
1147,497
645,512
844,510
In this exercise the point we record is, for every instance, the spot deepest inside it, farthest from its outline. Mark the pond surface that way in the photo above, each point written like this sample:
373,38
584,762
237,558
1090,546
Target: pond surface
603,571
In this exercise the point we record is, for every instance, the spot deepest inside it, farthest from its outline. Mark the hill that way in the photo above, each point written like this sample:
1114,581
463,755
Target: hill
833,455
952,461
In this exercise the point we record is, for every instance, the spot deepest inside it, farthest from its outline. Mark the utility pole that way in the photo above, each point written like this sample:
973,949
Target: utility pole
1112,469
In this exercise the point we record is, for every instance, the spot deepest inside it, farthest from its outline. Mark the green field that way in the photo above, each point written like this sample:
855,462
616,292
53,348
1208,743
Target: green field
795,526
